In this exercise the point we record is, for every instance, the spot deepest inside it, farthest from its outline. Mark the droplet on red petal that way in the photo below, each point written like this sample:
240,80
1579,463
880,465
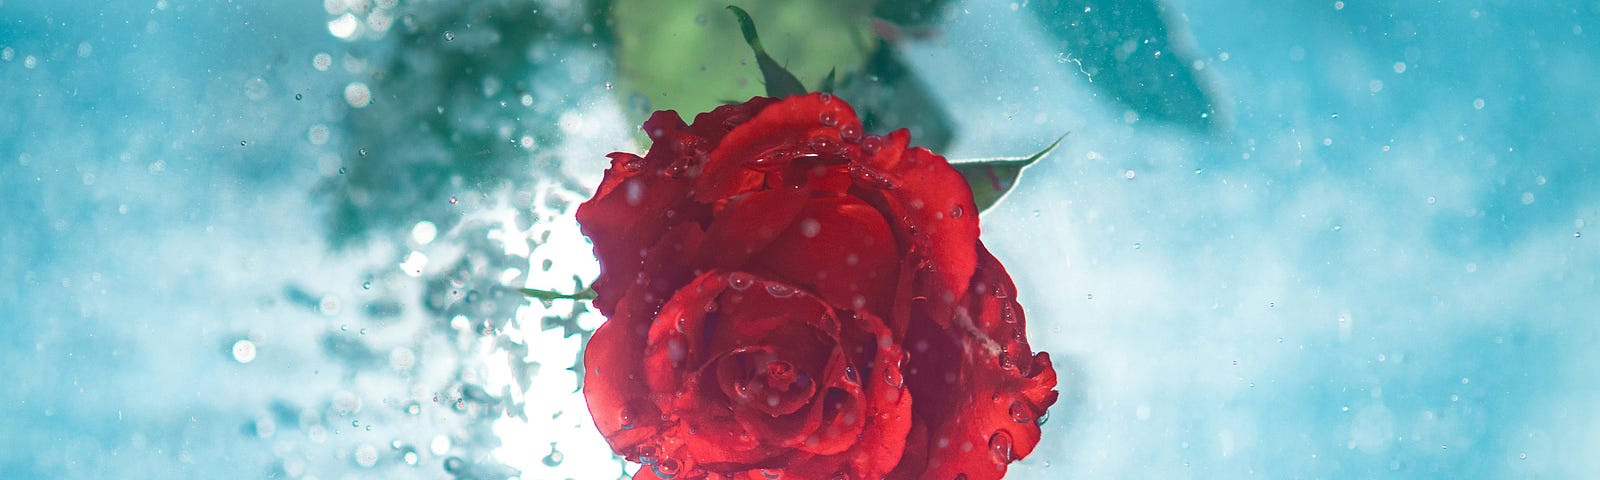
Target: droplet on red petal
778,290
632,163
740,280
666,468
850,132
1000,446
871,144
626,416
956,212
829,119
1020,413
647,454
1008,314
772,473
871,178
824,145
826,97
840,476
850,374
892,377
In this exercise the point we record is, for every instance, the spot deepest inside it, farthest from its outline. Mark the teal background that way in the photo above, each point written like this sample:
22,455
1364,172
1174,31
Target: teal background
1374,261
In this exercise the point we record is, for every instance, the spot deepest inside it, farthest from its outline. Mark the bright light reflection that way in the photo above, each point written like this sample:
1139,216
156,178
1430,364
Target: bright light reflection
343,27
557,416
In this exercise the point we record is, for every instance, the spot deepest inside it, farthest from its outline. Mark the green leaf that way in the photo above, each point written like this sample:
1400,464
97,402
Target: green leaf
780,83
992,178
1128,50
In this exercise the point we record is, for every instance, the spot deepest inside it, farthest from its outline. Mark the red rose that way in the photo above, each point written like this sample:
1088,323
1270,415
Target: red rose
787,297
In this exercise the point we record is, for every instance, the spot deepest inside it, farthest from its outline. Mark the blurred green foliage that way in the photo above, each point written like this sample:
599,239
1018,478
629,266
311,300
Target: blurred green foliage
690,56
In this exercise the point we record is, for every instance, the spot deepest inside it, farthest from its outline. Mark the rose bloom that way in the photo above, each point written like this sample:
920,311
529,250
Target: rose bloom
789,298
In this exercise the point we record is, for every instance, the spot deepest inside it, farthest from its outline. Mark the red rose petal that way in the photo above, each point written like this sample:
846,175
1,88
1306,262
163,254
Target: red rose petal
934,204
614,382
747,224
840,248
990,420
783,131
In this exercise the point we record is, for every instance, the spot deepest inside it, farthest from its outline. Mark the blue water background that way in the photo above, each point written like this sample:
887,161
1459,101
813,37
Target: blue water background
1375,271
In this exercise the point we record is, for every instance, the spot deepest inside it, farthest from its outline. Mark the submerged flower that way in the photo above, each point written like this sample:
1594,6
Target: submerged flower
790,297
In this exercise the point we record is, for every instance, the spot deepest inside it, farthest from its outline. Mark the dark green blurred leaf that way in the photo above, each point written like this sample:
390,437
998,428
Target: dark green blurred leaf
887,96
992,178
1126,49
437,125
910,12
779,81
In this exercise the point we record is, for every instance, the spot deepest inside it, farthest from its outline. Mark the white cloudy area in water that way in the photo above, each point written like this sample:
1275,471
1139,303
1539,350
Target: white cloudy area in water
1381,270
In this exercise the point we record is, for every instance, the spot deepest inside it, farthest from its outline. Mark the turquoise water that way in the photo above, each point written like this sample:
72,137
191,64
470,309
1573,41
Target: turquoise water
240,242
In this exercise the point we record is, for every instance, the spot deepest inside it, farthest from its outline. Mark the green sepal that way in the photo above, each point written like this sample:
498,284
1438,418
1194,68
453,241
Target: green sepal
992,178
828,83
780,83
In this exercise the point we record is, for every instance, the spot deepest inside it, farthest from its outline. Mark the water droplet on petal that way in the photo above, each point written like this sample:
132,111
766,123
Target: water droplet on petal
850,374
871,144
740,280
666,468
826,97
829,119
1020,413
850,132
632,163
625,417
772,473
1000,446
891,376
957,212
824,145
778,290
647,454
